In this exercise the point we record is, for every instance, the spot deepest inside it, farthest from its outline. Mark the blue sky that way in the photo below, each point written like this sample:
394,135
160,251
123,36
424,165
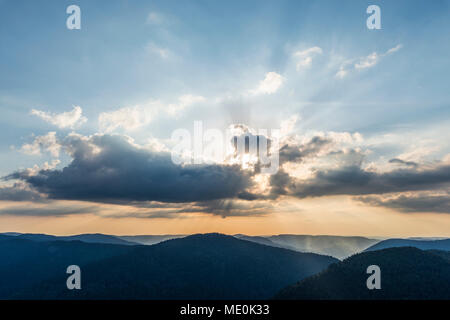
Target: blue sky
217,53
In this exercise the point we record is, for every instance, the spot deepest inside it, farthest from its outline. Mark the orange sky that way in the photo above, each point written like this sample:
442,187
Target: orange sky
328,215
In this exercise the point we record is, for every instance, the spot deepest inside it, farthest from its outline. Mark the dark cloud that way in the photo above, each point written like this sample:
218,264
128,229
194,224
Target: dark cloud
417,203
47,211
109,168
402,162
231,208
296,153
18,192
279,183
353,180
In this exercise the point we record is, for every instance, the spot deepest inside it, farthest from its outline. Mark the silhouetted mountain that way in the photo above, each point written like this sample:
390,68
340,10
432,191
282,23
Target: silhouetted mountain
443,254
100,238
209,266
90,238
420,244
24,262
10,234
151,239
406,273
337,246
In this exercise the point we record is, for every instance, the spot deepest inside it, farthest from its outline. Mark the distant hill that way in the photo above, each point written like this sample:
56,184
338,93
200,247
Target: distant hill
337,246
208,266
25,263
150,239
263,240
90,238
406,273
426,238
420,244
10,234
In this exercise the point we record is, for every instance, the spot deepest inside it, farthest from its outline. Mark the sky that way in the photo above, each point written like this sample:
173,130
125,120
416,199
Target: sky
357,120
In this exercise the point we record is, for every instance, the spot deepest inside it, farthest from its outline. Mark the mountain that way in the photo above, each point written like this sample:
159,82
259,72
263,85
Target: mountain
420,244
204,266
444,254
337,246
427,238
10,234
262,240
25,263
90,238
151,239
406,273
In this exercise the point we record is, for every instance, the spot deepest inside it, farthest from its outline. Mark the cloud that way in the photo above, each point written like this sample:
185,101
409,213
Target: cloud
271,83
353,180
287,126
343,71
304,58
364,62
402,162
367,62
395,49
135,117
19,192
47,210
128,118
411,203
48,143
183,102
161,52
109,168
296,153
69,119
233,208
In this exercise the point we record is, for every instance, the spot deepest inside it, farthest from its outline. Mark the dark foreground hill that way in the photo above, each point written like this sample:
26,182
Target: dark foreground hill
443,244
24,263
406,273
210,266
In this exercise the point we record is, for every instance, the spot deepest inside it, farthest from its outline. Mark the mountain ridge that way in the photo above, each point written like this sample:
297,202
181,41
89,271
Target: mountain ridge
201,266
407,273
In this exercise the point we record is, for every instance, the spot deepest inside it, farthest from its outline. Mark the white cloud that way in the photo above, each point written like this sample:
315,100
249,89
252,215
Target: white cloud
134,117
367,62
184,102
48,143
69,119
364,62
271,83
395,49
343,71
287,126
128,118
304,58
